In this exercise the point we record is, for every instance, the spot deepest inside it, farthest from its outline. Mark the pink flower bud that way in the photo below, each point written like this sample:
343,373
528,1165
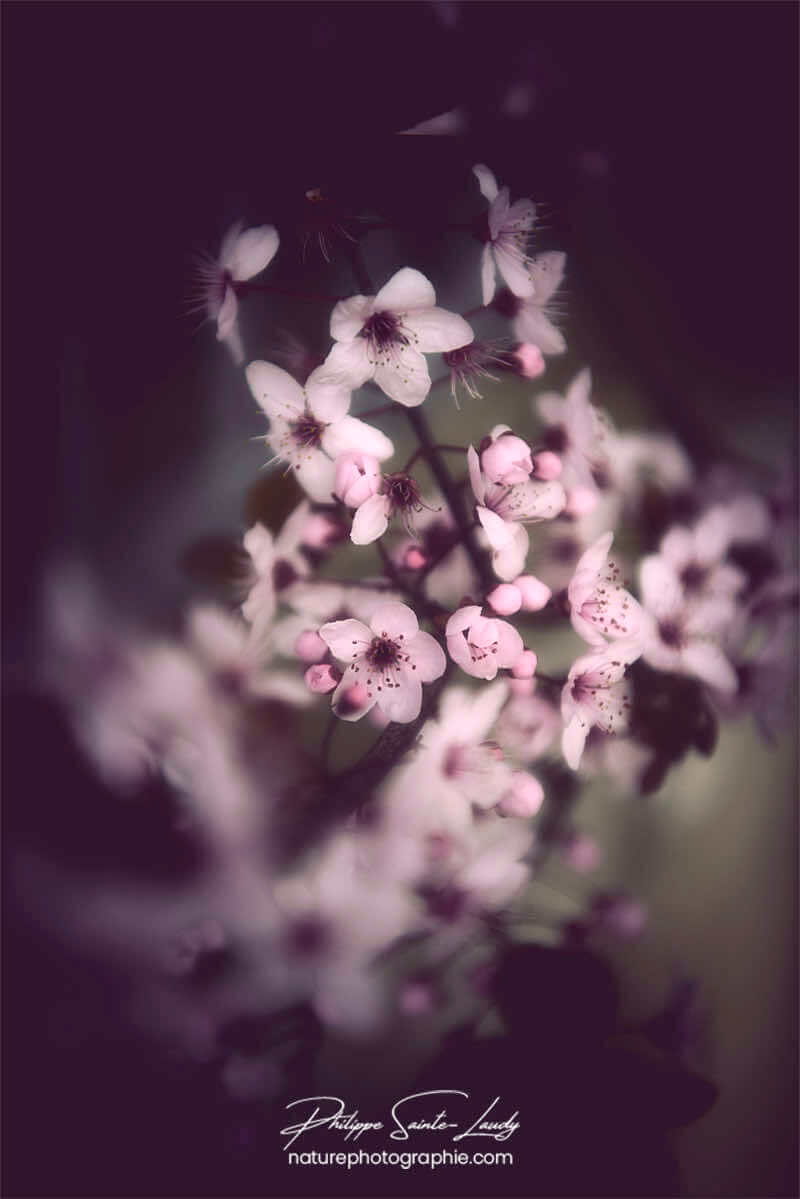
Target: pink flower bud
525,797
522,686
547,465
353,699
582,853
507,460
357,478
525,667
310,647
530,360
322,679
535,593
506,599
321,531
581,501
415,558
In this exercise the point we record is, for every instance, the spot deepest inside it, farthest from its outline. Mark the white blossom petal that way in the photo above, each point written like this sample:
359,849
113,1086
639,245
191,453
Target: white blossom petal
349,317
438,330
251,252
394,620
316,474
346,639
405,377
428,656
573,740
486,182
513,267
708,663
402,703
329,394
547,272
275,391
349,361
371,520
407,289
350,433
488,273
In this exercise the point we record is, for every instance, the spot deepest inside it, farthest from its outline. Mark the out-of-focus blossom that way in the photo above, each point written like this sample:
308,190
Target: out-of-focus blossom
579,433
505,600
481,645
242,256
503,512
533,322
237,660
529,359
322,678
697,555
509,228
310,427
391,660
682,636
525,796
525,665
385,337
600,607
596,694
535,594
528,726
275,562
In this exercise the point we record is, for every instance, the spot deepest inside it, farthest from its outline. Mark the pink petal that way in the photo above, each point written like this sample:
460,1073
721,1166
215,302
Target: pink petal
486,182
428,656
547,272
462,619
350,433
488,273
316,474
513,268
328,393
371,520
437,330
348,361
573,740
252,251
510,647
346,639
394,620
405,378
402,703
349,317
707,662
407,289
275,391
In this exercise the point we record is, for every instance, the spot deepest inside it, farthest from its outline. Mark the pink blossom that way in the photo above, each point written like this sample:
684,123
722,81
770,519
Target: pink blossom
525,797
530,360
509,229
385,337
580,434
600,606
310,427
322,678
414,558
596,694
535,594
533,323
388,662
241,256
582,853
358,476
481,646
506,599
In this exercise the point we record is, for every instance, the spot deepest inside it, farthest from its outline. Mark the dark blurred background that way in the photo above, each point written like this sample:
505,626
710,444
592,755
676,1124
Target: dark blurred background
661,138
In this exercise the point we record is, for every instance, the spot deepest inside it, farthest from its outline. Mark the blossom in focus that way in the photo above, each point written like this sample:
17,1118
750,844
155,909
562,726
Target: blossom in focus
532,322
358,477
682,635
482,645
389,660
507,459
398,496
503,512
505,251
385,337
600,607
310,427
596,694
241,257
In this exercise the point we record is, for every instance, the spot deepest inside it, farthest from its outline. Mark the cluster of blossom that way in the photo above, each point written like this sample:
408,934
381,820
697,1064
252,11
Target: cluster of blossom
490,560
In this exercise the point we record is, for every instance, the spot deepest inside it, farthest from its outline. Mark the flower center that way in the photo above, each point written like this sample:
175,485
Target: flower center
694,576
403,492
383,652
382,330
670,633
307,431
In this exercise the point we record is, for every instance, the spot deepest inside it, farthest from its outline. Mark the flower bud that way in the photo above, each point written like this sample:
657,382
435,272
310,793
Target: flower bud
535,593
310,647
530,360
321,531
415,558
522,686
547,465
322,679
507,460
525,797
352,700
525,667
506,599
357,478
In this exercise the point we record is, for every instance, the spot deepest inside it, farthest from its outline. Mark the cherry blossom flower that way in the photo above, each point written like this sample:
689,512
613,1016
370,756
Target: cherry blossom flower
580,434
275,562
506,247
481,645
385,337
391,660
502,511
357,479
596,694
309,427
600,607
241,257
698,555
237,661
680,635
399,496
532,322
